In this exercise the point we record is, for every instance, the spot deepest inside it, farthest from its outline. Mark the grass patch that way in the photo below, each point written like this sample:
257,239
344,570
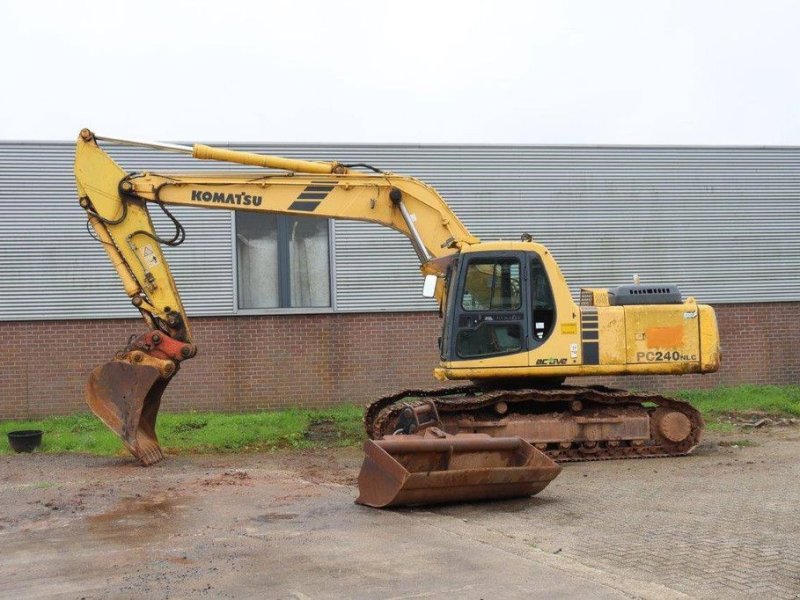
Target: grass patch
337,427
743,400
75,433
720,427
203,432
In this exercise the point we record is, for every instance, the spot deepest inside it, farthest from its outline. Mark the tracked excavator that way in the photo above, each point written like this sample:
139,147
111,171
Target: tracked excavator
511,328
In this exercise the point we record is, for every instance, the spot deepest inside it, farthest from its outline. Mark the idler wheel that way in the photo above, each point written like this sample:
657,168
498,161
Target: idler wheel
674,426
674,431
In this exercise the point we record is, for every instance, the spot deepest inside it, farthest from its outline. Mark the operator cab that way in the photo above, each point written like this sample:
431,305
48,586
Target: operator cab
497,303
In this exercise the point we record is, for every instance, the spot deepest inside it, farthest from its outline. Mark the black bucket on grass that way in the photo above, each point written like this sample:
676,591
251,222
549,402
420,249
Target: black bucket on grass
25,440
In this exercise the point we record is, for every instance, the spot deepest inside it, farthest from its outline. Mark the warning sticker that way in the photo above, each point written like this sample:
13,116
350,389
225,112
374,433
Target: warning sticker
569,328
149,256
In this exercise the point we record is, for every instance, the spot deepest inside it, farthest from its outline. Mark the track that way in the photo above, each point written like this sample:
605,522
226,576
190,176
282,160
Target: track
384,416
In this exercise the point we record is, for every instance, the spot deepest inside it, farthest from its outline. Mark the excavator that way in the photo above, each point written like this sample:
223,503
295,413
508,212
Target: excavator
511,329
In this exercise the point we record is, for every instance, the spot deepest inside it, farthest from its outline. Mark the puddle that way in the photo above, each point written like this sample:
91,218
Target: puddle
138,519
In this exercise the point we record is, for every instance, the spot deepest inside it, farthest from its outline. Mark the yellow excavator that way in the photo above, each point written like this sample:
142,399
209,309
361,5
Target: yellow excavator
510,327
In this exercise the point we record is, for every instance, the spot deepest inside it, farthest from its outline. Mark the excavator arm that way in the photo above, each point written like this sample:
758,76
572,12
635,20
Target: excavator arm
126,392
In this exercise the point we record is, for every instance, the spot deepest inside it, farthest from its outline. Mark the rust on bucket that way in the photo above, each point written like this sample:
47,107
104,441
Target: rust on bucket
126,397
435,468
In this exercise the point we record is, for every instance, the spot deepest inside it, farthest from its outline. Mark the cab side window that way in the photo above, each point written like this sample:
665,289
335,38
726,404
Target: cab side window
542,304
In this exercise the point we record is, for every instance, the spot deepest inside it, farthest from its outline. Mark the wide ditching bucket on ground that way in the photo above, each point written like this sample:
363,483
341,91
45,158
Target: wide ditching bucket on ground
126,397
437,468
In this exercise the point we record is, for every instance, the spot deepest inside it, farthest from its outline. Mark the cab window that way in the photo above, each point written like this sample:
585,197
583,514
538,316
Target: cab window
492,285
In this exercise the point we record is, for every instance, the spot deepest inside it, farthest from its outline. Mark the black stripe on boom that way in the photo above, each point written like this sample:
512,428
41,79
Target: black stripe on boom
319,188
306,206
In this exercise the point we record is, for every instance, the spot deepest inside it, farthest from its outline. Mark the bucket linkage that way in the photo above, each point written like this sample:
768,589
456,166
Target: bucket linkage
125,393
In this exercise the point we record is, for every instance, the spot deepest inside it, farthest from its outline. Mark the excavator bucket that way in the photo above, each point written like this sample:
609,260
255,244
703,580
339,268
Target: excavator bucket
402,470
126,397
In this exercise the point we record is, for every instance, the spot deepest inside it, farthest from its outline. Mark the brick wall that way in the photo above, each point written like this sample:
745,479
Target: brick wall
253,363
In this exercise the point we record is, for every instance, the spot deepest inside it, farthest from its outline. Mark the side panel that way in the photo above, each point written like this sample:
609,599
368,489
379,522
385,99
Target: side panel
611,345
560,347
663,334
709,339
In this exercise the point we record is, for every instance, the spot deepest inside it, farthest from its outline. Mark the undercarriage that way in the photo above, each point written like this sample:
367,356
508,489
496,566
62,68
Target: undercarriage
568,423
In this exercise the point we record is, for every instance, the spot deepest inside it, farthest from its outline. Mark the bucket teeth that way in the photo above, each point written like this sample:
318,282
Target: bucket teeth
126,397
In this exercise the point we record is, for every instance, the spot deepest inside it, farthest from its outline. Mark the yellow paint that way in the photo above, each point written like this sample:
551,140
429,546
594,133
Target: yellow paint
128,282
568,328
204,152
709,339
454,372
612,335
663,333
98,178
599,296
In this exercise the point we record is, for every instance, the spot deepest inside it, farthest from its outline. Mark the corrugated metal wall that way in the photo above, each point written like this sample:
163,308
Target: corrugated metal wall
719,222
51,268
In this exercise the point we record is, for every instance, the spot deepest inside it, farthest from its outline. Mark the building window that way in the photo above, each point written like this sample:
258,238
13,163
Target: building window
283,261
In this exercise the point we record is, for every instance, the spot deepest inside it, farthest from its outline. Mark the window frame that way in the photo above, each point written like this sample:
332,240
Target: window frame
284,284
533,341
459,313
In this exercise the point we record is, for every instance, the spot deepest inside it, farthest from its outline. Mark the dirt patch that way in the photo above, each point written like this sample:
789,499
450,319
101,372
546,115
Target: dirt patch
743,443
719,523
325,467
322,431
138,518
233,477
275,516
758,419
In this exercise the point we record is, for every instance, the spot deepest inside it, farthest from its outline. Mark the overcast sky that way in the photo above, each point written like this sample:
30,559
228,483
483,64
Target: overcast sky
641,72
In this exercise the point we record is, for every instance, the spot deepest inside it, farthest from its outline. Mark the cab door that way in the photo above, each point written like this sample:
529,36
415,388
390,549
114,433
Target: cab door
488,317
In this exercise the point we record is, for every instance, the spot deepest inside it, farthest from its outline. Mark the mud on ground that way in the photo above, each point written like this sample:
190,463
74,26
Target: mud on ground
721,523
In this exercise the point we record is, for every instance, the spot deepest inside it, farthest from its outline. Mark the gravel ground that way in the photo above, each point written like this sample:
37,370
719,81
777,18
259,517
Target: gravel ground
721,523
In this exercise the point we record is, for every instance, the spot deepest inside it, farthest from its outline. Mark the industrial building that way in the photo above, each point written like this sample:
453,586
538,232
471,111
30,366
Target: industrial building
302,312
